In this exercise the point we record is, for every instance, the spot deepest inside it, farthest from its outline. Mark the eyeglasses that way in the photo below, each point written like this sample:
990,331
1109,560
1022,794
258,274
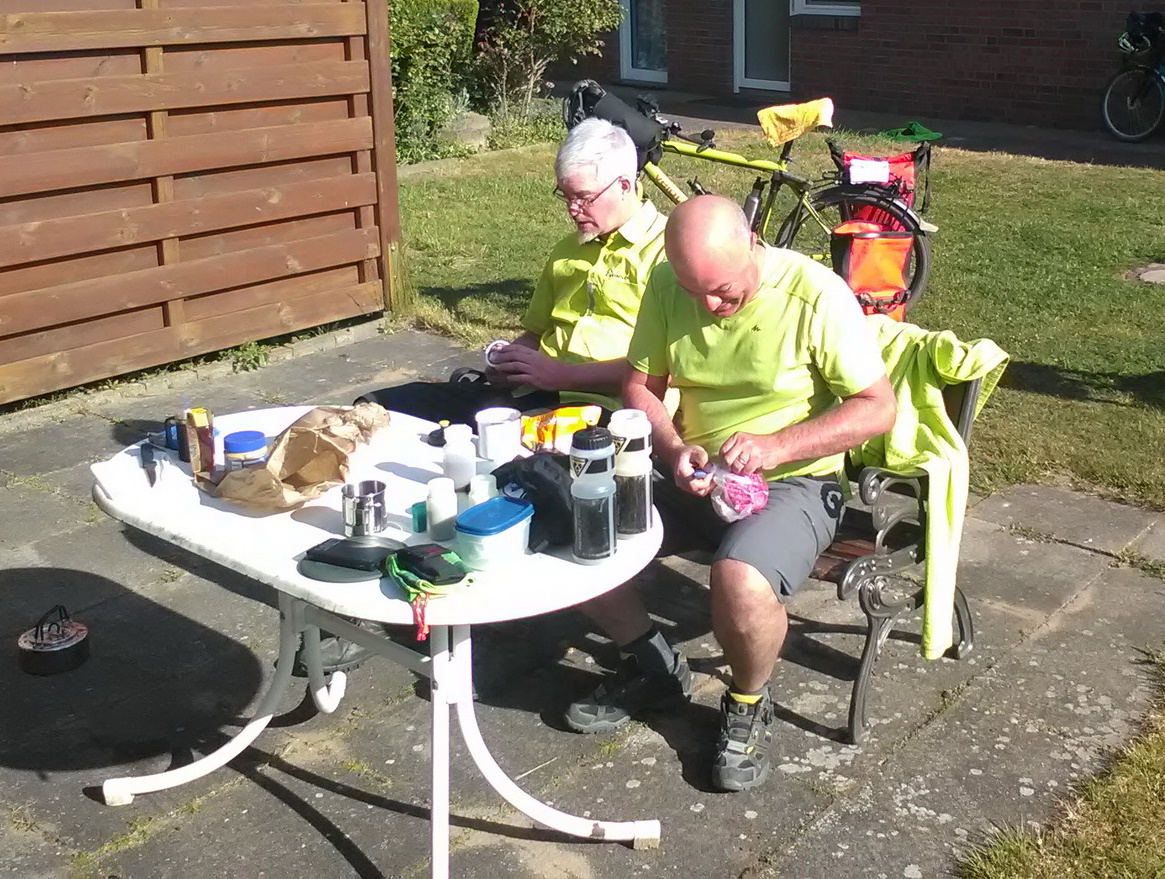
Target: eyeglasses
583,201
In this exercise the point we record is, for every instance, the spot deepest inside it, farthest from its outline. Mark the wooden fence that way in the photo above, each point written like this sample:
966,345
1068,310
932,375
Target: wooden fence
182,176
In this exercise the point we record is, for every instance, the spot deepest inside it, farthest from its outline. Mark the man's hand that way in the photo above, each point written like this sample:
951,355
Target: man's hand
685,462
517,364
748,453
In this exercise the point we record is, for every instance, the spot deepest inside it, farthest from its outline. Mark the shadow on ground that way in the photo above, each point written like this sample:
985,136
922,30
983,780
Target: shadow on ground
1098,387
155,683
510,296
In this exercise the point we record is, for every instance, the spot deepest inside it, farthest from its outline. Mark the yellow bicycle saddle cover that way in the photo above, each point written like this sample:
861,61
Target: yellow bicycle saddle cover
787,122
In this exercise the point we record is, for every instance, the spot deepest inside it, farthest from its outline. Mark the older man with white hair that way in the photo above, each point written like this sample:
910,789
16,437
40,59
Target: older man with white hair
579,321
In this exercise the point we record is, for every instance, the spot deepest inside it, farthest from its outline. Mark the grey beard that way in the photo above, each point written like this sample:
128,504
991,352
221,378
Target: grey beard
587,237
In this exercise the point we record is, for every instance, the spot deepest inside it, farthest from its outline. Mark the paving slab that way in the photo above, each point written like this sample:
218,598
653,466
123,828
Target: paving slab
31,510
91,565
1033,577
1079,519
28,854
1151,544
1006,752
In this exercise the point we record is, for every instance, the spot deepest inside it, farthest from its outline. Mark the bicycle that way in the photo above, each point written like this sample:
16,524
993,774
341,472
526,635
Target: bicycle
1133,105
820,206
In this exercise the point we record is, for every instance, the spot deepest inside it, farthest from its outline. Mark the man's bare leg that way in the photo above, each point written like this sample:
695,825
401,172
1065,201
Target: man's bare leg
619,614
749,621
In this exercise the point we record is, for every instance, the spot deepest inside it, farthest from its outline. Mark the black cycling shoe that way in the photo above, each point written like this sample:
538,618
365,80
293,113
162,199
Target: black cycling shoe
742,754
337,654
629,692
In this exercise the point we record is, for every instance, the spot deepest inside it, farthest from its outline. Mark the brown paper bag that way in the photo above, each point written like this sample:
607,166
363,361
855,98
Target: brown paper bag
307,459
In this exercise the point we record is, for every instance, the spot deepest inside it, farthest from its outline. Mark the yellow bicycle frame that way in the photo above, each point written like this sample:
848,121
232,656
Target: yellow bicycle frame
710,154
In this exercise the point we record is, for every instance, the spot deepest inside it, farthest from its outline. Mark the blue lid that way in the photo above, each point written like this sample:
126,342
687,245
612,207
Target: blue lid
495,515
244,441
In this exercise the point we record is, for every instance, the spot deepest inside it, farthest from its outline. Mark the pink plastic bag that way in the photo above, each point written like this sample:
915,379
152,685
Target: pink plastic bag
735,495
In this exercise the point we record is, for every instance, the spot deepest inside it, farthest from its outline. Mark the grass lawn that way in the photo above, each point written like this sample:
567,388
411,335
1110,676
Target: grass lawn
1032,253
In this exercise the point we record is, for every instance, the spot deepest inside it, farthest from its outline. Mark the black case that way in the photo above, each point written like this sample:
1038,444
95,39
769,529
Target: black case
361,553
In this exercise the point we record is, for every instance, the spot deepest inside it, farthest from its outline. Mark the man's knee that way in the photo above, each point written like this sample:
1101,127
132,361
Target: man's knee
743,583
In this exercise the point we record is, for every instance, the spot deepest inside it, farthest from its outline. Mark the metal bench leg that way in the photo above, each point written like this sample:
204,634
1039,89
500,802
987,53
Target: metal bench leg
876,630
880,619
966,626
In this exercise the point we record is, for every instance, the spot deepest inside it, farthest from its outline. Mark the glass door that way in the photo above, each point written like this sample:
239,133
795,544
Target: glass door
761,44
643,41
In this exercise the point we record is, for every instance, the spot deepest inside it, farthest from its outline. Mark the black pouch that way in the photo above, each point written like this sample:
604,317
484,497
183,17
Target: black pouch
544,480
432,562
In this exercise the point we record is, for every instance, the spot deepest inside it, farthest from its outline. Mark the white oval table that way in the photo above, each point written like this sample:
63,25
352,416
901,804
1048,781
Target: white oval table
268,547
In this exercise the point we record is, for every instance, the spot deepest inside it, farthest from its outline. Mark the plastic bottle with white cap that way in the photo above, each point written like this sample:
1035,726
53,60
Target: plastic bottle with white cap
441,508
592,495
631,432
460,462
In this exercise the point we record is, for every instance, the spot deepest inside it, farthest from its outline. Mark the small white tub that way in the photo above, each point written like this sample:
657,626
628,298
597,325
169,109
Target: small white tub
494,533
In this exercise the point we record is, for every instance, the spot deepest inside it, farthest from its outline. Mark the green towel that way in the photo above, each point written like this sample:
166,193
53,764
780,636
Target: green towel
911,131
919,363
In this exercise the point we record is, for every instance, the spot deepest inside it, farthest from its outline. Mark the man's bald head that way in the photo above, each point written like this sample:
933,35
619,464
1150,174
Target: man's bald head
713,253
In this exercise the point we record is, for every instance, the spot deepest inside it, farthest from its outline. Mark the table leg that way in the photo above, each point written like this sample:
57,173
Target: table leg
439,705
325,692
121,791
642,834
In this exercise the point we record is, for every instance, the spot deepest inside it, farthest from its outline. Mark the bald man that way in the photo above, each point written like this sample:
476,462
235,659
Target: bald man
778,375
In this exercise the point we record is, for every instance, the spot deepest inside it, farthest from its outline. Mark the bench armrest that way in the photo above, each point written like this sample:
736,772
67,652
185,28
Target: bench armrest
895,498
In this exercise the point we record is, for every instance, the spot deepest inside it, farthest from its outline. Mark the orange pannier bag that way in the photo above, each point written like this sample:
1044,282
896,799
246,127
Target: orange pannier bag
873,259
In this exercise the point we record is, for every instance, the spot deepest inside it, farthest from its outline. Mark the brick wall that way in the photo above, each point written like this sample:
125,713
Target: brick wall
699,46
1034,62
1027,61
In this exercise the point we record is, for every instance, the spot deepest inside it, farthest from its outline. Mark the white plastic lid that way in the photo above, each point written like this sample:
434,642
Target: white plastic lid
629,423
440,485
494,516
458,433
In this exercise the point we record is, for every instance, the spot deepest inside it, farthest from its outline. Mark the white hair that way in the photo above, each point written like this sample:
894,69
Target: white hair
596,143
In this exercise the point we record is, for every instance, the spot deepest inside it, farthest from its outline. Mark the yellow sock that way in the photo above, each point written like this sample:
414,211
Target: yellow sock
746,698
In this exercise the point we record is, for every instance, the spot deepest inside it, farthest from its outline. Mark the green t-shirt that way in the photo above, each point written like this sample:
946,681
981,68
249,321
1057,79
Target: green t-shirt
797,347
584,307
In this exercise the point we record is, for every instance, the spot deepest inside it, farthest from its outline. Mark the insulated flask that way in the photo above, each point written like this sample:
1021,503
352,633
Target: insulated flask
631,433
592,495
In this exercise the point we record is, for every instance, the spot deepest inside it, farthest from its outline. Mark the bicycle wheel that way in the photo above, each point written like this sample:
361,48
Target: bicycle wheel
808,231
1133,104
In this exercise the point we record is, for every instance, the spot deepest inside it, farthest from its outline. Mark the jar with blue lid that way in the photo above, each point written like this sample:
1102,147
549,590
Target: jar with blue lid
244,448
494,534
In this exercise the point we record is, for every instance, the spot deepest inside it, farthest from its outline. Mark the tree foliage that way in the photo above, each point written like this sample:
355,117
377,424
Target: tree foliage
517,40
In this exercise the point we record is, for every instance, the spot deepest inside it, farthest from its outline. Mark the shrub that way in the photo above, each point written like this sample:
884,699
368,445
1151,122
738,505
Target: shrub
519,39
543,125
432,41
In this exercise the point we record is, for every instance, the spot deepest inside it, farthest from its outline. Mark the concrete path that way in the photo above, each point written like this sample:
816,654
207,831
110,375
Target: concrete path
182,649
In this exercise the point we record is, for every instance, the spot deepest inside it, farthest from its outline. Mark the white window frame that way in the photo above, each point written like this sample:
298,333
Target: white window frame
626,71
823,7
739,80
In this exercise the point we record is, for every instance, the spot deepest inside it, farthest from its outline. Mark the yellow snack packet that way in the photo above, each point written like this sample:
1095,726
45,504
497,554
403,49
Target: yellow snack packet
551,431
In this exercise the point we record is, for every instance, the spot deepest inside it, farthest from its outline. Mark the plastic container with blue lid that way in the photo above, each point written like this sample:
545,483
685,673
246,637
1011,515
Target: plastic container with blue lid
244,448
494,533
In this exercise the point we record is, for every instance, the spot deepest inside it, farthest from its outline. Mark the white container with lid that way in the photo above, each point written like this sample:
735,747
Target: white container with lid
441,508
494,534
460,459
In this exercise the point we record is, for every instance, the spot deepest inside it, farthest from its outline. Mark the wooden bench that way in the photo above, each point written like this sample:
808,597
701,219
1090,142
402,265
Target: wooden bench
880,543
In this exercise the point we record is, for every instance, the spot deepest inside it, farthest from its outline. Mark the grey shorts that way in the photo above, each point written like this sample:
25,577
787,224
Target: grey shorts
782,541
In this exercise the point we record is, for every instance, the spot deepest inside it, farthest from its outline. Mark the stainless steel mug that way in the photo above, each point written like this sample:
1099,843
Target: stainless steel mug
363,508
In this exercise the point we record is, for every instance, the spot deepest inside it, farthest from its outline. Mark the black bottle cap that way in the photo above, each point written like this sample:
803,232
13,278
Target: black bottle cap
592,438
